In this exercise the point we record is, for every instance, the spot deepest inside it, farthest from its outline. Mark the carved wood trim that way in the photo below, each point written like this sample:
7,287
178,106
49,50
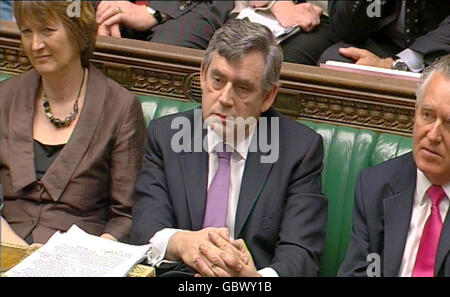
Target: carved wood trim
313,93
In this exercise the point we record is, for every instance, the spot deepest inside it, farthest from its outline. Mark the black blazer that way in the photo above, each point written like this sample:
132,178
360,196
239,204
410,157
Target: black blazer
351,22
281,212
381,218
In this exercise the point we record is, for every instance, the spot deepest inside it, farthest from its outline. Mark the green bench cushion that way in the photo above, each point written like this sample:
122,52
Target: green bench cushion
4,76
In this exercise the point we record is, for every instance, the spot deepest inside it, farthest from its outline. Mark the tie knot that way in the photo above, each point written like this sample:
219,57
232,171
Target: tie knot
223,151
436,194
224,155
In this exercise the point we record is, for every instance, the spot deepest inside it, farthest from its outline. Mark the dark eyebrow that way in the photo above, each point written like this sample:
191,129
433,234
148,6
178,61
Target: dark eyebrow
245,82
216,72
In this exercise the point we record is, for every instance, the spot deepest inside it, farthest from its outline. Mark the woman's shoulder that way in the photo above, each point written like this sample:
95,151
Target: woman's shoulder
19,83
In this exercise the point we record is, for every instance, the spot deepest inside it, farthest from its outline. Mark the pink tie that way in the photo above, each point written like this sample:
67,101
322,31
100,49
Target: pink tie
426,256
217,200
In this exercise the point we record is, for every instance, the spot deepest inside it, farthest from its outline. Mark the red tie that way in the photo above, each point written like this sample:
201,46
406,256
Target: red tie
141,2
429,243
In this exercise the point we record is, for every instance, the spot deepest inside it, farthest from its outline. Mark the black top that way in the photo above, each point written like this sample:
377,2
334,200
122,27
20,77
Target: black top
44,155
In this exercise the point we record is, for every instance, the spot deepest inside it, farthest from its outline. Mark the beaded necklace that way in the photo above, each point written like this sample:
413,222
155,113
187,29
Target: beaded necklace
73,114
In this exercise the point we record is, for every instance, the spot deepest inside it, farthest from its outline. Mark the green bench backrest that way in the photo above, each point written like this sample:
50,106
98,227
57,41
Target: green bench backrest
347,152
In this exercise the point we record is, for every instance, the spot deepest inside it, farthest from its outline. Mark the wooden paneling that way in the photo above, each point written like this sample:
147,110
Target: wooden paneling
313,93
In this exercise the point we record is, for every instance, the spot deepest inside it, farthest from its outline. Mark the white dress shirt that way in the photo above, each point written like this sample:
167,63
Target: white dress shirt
420,213
159,242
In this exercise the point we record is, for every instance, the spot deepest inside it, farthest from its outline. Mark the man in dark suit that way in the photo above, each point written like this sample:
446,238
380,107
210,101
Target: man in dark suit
400,215
183,23
271,217
402,35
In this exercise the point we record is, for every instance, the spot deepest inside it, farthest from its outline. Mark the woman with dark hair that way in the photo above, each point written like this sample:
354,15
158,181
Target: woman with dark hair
71,139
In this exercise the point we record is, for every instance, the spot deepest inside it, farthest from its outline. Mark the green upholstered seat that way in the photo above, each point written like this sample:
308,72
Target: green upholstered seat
4,76
346,152
154,107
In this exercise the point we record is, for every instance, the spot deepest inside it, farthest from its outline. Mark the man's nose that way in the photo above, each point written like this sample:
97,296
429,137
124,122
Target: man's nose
226,95
435,134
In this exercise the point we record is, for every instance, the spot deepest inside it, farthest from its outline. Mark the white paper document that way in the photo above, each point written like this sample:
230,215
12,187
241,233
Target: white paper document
267,19
373,69
79,254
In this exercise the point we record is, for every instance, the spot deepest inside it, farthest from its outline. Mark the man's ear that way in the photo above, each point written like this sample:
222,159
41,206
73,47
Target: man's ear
202,74
269,98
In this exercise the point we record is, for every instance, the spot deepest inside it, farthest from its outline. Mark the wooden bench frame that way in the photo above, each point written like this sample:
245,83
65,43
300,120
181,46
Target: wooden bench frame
312,93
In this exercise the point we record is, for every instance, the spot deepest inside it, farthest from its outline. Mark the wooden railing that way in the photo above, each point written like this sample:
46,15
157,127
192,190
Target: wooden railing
325,95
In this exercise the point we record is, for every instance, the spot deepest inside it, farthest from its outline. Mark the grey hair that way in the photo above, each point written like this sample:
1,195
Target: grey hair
441,65
238,37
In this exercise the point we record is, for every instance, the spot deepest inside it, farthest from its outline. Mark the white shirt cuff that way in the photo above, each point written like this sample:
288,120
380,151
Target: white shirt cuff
413,59
268,272
158,246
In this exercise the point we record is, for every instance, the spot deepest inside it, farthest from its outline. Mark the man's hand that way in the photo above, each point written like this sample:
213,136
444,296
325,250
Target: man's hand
185,246
113,30
365,57
305,15
126,13
227,258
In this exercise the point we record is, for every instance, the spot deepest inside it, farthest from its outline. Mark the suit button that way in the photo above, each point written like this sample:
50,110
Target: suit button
182,7
35,222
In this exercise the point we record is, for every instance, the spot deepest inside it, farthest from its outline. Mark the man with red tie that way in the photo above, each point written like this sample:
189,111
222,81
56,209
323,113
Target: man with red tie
401,205
183,23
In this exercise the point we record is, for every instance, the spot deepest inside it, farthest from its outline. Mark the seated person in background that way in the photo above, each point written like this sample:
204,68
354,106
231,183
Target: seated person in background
401,207
316,33
401,35
183,23
71,139
188,204
6,13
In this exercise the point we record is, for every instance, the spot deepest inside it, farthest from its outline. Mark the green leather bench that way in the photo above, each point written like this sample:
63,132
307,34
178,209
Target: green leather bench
347,151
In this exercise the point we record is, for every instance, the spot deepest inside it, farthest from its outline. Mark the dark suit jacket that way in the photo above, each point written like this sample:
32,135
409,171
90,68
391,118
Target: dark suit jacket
381,218
281,212
91,182
191,23
352,23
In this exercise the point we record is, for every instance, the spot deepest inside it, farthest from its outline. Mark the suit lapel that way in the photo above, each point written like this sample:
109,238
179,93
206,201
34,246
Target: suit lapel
254,179
21,150
397,211
59,173
444,244
194,167
253,182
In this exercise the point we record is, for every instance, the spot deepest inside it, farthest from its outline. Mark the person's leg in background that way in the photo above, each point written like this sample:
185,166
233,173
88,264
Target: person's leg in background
307,47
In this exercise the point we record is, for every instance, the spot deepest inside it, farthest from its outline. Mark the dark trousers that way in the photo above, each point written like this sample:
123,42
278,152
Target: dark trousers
307,47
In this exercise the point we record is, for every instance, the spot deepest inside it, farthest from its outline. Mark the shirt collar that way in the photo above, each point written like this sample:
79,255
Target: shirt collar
423,184
241,148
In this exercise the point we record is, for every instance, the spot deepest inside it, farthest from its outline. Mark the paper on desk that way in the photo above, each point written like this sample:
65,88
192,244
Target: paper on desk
266,19
79,254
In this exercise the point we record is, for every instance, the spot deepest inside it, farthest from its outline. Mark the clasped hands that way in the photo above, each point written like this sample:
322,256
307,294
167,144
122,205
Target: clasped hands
211,253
